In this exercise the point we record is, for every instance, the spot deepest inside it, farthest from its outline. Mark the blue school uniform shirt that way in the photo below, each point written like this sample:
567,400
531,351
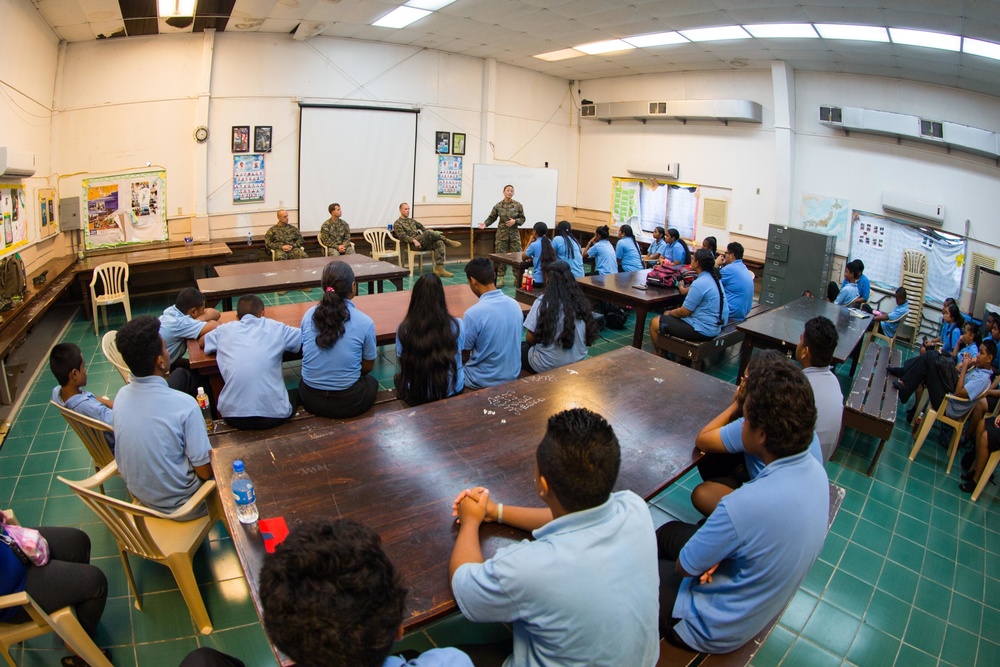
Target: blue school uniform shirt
889,328
249,353
977,380
732,438
765,536
848,294
657,247
534,253
675,252
339,367
703,302
628,253
864,286
458,382
737,281
13,578
949,336
493,334
87,404
436,657
546,357
563,251
604,257
584,592
176,328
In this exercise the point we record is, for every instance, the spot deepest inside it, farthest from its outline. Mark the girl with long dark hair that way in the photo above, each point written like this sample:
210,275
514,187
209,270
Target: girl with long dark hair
711,243
567,249
602,251
658,248
540,251
705,310
628,251
560,325
429,346
338,350
678,252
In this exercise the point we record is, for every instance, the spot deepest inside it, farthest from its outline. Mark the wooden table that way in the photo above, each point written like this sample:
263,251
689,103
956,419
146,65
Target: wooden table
781,328
399,472
387,310
514,261
240,279
622,289
871,405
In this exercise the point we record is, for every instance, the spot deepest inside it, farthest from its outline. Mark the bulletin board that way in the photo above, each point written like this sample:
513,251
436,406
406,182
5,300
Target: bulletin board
125,209
646,204
879,241
48,224
14,213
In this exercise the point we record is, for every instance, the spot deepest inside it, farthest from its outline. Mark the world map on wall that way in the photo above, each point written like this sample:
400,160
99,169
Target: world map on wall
827,215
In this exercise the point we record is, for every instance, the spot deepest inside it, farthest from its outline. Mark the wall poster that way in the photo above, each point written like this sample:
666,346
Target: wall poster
127,208
248,178
48,225
14,212
449,176
648,203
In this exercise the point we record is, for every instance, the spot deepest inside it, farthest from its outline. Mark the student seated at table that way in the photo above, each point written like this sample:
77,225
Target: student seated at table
567,249
657,248
848,294
862,283
723,582
728,464
338,350
66,363
492,350
711,243
628,251
677,253
601,250
429,343
815,352
161,444
705,309
560,325
583,592
248,353
188,319
540,251
888,323
737,281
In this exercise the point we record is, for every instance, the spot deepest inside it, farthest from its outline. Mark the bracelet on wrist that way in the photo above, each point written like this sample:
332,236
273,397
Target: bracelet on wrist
500,513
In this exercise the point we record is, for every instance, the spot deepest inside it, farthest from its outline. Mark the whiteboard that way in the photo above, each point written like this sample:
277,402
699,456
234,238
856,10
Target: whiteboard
536,188
360,158
879,242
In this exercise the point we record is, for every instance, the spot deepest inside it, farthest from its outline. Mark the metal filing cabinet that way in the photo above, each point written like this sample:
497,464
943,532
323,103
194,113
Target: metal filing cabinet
796,260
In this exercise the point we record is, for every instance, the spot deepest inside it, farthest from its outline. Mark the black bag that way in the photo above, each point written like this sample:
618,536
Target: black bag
615,316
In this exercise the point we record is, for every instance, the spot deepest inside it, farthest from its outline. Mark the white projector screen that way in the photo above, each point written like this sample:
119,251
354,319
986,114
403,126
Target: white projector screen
361,158
534,187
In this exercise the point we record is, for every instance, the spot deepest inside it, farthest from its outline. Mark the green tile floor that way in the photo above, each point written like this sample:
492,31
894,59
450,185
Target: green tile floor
909,575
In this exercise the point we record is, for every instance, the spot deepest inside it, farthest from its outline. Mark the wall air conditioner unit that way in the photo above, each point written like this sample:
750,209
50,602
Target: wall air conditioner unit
16,164
933,213
664,171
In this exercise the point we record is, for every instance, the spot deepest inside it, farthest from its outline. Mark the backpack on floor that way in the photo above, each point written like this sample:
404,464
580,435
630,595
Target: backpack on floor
615,316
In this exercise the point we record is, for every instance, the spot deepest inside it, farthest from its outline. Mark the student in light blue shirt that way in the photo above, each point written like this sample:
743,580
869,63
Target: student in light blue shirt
249,353
66,364
338,350
627,251
677,249
723,582
705,310
187,319
849,293
737,282
602,251
658,248
540,251
492,350
560,325
864,285
429,343
889,322
567,249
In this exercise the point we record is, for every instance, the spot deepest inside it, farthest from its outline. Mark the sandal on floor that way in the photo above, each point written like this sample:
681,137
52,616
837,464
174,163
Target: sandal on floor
77,661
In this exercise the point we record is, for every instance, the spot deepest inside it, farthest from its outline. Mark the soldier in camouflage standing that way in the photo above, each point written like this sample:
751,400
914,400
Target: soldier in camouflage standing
412,233
510,215
285,240
335,234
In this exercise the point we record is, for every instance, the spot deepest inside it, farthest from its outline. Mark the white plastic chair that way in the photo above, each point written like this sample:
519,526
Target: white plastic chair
114,277
875,334
91,432
110,349
378,239
326,250
938,414
62,621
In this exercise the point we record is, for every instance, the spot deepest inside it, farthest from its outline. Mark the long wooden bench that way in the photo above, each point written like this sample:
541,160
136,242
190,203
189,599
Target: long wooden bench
696,352
871,406
671,656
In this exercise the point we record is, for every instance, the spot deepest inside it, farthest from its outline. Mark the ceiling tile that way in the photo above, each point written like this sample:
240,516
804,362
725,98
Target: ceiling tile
101,10
80,32
924,21
61,12
851,15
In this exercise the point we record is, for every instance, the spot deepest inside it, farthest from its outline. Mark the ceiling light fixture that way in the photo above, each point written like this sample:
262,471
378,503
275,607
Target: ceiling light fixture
782,31
716,34
607,46
169,8
930,40
656,39
432,5
562,54
860,33
978,47
401,17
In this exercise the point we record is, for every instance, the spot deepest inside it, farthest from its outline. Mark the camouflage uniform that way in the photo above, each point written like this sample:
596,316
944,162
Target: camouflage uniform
508,239
333,234
280,235
408,230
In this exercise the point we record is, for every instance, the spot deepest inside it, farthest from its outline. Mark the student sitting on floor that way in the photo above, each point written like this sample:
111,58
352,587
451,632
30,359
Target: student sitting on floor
188,319
815,352
541,252
720,584
492,350
628,252
705,310
728,464
567,249
338,350
248,353
602,251
584,591
560,325
66,363
887,327
429,343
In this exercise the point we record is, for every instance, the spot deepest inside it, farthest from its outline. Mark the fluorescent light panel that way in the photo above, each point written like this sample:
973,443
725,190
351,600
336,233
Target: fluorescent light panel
656,39
978,47
562,54
431,5
716,34
401,17
860,33
607,46
930,40
781,30
168,8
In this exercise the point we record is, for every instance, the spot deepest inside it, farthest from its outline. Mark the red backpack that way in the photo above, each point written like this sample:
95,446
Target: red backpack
667,275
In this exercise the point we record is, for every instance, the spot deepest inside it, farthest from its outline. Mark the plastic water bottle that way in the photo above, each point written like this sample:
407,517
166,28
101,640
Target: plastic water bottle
249,238
390,228
246,499
206,410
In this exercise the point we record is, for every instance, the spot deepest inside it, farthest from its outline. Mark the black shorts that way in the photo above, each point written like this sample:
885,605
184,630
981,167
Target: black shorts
992,435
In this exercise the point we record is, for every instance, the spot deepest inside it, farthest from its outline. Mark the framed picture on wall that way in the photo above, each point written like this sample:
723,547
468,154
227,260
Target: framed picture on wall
262,139
241,138
458,143
442,142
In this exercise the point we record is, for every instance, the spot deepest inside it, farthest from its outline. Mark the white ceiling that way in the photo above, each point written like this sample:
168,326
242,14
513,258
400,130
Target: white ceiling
512,31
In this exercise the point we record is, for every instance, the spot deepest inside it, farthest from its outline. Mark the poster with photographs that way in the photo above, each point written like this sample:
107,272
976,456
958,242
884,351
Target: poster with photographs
47,212
241,138
124,209
872,235
14,211
449,176
248,178
262,139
